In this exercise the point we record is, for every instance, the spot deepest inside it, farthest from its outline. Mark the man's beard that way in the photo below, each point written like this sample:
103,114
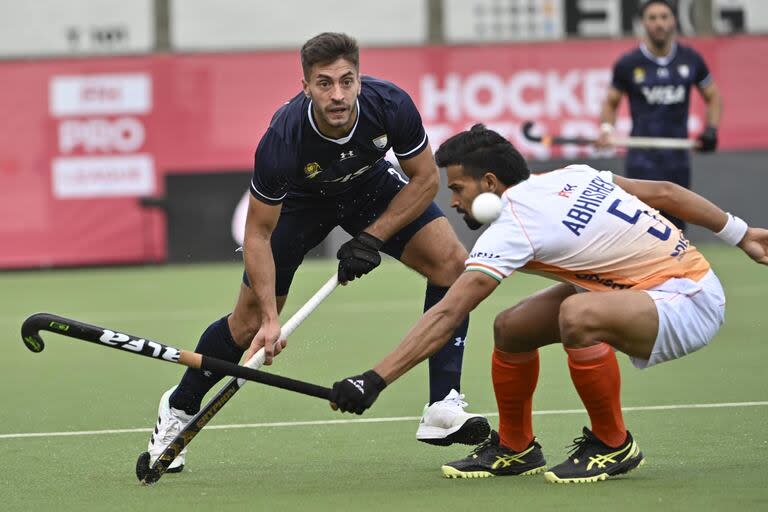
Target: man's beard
660,43
470,221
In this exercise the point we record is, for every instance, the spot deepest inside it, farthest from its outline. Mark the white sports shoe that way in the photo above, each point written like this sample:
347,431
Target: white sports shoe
170,421
446,422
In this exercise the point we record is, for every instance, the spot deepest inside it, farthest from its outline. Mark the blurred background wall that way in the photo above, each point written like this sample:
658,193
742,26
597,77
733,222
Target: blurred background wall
129,127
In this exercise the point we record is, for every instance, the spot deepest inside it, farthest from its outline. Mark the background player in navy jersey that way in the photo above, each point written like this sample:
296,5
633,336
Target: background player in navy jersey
319,165
657,78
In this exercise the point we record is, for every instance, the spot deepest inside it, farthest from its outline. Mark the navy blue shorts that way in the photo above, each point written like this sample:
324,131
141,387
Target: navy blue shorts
305,222
659,165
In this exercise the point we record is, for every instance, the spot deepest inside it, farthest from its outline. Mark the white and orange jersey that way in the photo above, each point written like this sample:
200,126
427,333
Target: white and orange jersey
576,225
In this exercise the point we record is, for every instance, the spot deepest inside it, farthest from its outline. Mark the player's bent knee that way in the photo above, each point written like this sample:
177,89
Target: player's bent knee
578,322
448,268
505,327
454,263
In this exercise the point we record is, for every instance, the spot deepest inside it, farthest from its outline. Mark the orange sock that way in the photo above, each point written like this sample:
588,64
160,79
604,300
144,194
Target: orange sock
595,373
514,381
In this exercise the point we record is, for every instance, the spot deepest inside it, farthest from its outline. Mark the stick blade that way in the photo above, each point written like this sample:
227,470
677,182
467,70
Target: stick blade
527,128
152,476
30,331
142,467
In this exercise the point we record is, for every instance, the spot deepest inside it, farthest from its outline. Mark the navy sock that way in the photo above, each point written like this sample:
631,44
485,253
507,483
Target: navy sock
445,364
217,342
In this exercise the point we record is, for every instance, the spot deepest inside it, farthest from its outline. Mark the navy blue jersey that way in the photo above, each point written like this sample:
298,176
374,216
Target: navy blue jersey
294,159
659,89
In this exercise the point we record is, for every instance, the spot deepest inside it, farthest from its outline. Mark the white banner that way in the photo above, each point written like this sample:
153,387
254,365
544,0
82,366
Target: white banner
103,176
82,95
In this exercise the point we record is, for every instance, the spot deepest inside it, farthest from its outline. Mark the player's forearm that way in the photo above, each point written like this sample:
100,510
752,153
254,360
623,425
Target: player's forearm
610,106
260,268
688,206
608,113
425,338
408,204
714,109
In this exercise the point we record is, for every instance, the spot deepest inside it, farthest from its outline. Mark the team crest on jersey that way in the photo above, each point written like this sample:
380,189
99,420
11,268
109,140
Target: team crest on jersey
380,141
312,169
684,70
639,74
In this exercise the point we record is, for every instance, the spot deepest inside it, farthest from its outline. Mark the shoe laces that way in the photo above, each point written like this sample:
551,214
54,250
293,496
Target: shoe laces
578,446
490,441
455,401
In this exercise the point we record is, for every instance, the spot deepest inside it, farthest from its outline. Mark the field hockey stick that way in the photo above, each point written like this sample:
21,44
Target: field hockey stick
150,475
154,349
627,142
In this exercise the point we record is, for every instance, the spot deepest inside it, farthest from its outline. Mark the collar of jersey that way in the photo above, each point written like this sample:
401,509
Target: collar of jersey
342,140
661,61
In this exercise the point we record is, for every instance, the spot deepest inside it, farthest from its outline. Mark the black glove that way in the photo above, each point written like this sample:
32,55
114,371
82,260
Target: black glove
708,139
358,256
356,394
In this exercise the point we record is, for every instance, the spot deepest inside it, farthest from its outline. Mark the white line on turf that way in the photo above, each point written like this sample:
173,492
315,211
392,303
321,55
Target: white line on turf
371,420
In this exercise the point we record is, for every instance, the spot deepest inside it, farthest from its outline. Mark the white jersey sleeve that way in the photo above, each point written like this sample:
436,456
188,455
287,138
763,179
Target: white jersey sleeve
503,248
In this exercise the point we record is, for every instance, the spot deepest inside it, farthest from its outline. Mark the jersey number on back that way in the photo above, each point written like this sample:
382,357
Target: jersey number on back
632,219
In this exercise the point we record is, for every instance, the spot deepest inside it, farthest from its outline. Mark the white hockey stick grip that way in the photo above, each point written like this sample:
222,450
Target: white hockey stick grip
257,359
653,142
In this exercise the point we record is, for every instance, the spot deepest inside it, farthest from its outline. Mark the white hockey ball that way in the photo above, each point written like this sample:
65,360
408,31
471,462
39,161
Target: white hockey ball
486,207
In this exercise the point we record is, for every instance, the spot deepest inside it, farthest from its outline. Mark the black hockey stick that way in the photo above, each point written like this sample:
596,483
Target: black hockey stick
149,475
156,350
627,142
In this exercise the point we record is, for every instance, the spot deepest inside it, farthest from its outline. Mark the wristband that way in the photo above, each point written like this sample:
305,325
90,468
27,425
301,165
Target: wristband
370,240
734,230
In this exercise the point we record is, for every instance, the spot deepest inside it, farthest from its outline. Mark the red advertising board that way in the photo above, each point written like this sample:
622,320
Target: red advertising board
83,140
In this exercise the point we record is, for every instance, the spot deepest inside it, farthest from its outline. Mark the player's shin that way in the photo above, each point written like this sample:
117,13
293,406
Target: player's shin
216,342
595,374
445,364
515,376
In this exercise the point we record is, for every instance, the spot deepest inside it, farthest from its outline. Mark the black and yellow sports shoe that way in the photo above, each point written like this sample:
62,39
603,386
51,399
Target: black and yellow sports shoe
492,459
591,460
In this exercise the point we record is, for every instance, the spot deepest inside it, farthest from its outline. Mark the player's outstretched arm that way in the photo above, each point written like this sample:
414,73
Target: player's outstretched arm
678,201
431,332
755,244
693,208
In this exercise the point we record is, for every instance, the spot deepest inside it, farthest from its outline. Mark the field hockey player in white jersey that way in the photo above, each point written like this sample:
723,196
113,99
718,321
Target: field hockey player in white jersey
629,282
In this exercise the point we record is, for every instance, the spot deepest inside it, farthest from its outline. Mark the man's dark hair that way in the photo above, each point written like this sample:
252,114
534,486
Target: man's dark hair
649,3
328,47
480,150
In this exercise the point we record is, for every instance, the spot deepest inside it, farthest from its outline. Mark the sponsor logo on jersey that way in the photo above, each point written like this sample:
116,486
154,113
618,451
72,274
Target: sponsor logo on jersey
312,169
347,154
683,70
351,176
567,190
639,75
662,72
607,282
664,94
484,255
380,141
